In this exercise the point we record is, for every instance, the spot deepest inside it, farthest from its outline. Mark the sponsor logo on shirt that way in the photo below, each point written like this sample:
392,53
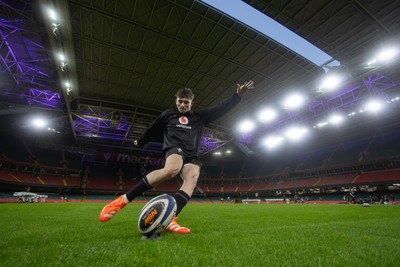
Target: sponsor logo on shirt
183,121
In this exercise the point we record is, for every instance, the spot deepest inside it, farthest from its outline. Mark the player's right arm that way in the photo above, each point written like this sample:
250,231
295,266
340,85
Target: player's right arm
155,132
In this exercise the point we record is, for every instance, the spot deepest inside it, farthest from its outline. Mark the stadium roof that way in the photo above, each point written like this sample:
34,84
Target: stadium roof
101,71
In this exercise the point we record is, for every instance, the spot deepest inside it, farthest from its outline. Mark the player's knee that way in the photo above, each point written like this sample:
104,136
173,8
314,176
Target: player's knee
192,180
171,172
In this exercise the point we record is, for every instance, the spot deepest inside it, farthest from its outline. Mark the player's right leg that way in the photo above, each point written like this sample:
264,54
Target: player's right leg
112,208
172,167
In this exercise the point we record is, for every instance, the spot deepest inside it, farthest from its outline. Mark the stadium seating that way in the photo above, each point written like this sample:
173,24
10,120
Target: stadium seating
230,188
348,152
331,166
105,183
8,176
379,177
251,168
303,182
211,170
257,187
25,178
233,169
317,159
14,150
47,179
384,146
336,179
72,181
212,188
171,185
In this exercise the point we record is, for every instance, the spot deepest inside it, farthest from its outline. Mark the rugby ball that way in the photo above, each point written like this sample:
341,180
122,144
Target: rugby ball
156,215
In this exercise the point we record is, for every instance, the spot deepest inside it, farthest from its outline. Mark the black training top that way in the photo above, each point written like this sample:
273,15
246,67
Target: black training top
184,130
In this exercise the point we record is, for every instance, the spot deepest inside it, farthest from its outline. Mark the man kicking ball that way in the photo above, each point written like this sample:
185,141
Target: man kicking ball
180,130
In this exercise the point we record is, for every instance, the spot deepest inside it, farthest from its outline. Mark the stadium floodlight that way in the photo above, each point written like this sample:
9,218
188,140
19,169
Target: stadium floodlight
294,101
52,14
387,54
371,62
330,82
246,126
273,141
68,87
296,133
336,119
61,57
394,99
39,123
321,124
267,115
374,106
384,56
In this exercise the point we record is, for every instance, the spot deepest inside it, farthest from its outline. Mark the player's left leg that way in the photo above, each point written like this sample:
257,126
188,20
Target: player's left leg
189,173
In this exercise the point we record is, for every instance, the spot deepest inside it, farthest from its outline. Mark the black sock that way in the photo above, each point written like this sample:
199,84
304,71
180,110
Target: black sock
142,186
181,200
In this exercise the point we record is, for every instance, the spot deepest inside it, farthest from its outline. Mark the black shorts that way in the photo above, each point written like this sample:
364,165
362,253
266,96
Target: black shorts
186,159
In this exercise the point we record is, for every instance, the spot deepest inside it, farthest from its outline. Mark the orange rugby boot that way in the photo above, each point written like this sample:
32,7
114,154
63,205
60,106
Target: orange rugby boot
112,208
174,227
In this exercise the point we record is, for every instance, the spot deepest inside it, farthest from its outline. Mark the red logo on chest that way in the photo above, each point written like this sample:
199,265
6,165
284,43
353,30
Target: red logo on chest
183,120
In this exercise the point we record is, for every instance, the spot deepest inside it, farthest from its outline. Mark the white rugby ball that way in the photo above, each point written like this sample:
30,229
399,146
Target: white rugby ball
156,215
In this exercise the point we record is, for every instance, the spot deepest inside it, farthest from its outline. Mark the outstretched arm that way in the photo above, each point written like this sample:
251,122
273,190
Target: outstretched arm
243,88
213,113
154,132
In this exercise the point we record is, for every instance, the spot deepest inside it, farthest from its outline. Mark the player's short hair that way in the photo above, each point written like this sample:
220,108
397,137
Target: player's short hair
184,93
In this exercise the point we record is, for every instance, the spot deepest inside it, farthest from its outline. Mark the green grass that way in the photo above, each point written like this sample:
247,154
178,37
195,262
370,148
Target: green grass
69,234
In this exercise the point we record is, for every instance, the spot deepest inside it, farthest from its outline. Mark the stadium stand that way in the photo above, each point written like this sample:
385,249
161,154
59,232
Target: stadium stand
348,153
71,160
257,187
379,177
129,182
212,188
251,168
8,176
336,179
169,186
304,183
26,178
318,158
102,183
211,170
327,170
383,146
14,150
232,169
47,179
230,188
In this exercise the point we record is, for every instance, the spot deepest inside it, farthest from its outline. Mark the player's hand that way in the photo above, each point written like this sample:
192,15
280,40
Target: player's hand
243,88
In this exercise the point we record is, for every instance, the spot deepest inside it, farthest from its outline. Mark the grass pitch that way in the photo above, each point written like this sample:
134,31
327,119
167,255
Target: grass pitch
69,234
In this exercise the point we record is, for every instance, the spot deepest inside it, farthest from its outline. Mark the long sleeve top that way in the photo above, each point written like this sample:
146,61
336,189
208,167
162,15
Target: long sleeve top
184,130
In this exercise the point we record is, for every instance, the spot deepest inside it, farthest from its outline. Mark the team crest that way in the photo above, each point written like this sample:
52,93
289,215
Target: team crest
183,120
